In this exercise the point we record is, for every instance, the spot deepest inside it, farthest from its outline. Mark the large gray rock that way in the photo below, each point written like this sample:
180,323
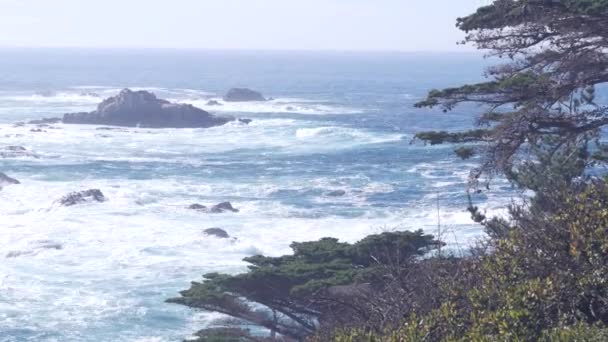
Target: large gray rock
92,195
6,180
243,95
141,108
217,232
197,206
223,207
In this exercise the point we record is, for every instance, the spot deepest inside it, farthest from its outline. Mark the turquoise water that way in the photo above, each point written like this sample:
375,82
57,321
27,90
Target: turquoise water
337,121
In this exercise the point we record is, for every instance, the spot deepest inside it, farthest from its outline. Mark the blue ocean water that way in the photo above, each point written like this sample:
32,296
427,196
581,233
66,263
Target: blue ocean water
337,121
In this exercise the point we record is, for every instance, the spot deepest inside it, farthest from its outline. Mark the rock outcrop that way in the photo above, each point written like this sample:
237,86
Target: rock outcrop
16,152
35,247
45,121
213,103
143,109
6,180
92,195
223,207
216,209
197,206
243,95
217,232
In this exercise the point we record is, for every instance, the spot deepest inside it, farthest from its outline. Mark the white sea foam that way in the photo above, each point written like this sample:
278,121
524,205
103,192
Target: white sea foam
281,105
78,142
89,271
344,134
119,260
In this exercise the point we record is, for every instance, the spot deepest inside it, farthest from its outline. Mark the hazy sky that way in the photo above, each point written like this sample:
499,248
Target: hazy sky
410,25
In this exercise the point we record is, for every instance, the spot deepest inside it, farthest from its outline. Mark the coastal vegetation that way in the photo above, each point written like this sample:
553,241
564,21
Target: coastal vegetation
541,274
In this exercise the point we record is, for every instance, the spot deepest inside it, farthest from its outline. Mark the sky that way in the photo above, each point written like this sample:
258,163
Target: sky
338,25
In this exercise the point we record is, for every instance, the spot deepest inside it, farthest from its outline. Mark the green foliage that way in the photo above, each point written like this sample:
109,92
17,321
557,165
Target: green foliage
223,335
543,97
542,275
578,333
440,137
546,279
511,13
289,285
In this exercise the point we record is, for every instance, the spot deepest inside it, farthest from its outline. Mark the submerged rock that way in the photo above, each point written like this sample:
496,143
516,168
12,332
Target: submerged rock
213,103
92,195
245,121
46,93
89,93
16,152
243,95
223,207
336,193
44,121
216,209
217,232
6,180
35,248
143,109
197,206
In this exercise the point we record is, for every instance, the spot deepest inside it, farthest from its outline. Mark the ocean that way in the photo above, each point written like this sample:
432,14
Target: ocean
337,121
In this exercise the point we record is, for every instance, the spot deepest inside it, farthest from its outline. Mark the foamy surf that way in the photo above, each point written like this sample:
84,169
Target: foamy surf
329,156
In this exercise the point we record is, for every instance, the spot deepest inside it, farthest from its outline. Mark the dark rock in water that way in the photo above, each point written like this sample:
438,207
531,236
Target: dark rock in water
336,193
89,93
216,209
36,247
92,195
37,130
213,103
49,244
15,254
45,121
245,121
197,206
16,152
46,93
143,109
243,95
6,180
223,207
217,232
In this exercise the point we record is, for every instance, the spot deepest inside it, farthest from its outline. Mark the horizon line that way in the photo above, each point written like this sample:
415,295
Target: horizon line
126,48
